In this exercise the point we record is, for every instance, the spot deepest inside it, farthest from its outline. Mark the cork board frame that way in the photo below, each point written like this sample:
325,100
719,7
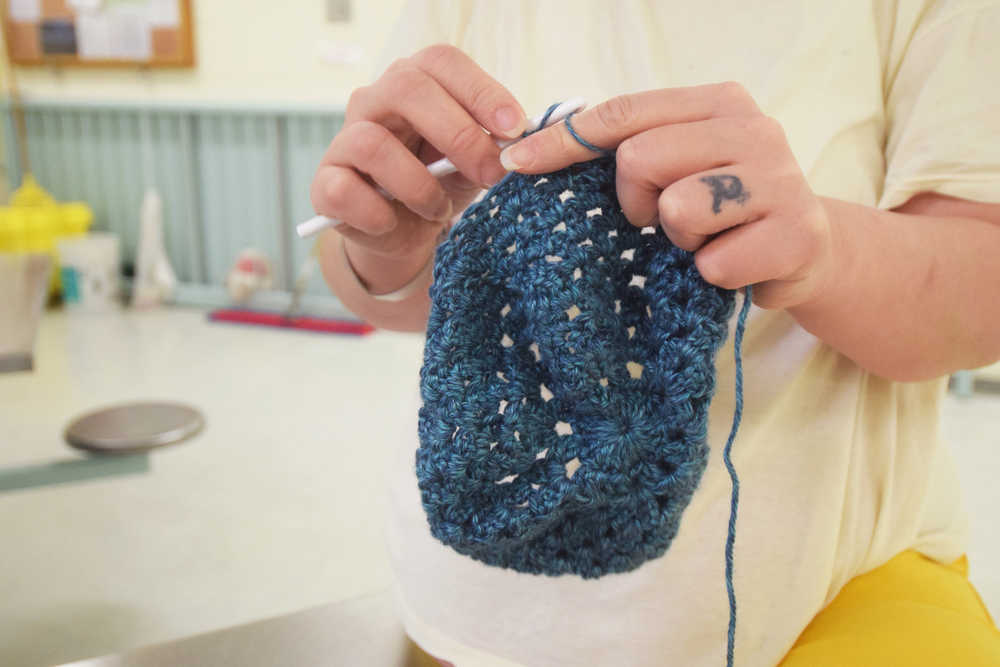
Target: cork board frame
51,40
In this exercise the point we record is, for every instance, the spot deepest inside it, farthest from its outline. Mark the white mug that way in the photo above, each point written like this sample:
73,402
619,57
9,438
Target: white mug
88,267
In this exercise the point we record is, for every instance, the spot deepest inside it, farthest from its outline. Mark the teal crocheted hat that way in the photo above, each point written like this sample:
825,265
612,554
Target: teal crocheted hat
567,376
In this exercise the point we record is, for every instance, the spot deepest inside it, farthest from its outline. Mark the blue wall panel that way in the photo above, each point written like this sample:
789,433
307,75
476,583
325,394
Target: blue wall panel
306,139
229,178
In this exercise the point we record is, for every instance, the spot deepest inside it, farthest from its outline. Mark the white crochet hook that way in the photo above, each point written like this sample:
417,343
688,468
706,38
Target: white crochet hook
444,166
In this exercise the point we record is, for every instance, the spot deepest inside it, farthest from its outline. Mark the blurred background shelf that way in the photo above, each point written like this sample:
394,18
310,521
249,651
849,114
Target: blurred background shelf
230,176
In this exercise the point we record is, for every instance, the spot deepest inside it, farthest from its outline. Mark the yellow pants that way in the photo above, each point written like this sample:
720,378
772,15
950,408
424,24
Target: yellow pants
911,611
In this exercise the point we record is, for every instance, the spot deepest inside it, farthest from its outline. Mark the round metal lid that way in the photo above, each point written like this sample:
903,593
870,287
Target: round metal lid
134,427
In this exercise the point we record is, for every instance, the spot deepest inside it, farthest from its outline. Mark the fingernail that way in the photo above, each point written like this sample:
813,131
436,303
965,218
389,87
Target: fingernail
510,121
668,207
517,156
444,211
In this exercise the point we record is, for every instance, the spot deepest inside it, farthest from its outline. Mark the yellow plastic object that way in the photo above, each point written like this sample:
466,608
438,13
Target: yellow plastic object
31,194
35,220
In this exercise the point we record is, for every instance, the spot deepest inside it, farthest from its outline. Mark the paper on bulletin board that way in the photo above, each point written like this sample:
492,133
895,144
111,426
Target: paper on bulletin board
164,13
27,11
93,36
84,5
129,32
122,30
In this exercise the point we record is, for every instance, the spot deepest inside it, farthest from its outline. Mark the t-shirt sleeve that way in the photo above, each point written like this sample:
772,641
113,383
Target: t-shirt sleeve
942,103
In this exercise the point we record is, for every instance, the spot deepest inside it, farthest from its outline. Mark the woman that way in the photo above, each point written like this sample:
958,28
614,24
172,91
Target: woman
851,174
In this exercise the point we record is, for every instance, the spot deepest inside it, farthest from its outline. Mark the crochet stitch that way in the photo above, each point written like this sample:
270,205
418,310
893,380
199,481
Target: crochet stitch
567,375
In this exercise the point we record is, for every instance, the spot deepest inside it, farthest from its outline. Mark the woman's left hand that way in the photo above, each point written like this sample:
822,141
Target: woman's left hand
716,174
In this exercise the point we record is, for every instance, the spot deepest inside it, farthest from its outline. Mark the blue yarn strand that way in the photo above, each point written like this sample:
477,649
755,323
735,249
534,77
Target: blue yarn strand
543,121
569,126
583,142
735,500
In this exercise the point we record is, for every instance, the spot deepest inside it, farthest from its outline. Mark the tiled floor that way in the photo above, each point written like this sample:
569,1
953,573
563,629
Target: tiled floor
274,509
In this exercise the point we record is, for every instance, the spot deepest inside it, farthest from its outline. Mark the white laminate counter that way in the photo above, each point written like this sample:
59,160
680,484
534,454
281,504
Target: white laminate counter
275,507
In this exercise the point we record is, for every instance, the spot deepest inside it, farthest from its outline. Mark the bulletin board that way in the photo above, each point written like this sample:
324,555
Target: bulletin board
99,33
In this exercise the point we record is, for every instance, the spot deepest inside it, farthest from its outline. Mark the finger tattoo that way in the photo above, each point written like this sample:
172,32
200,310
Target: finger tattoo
725,187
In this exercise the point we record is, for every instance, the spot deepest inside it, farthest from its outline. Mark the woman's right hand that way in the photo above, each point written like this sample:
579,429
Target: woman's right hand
433,104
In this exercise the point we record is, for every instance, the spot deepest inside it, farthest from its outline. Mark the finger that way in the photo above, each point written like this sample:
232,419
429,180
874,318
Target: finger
413,95
697,206
610,123
339,192
489,102
373,150
460,190
749,254
650,161
409,234
456,185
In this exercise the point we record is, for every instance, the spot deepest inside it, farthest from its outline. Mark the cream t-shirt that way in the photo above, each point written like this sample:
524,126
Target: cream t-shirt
839,469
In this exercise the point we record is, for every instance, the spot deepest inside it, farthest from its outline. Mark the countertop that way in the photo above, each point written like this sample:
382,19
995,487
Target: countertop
275,507
273,512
